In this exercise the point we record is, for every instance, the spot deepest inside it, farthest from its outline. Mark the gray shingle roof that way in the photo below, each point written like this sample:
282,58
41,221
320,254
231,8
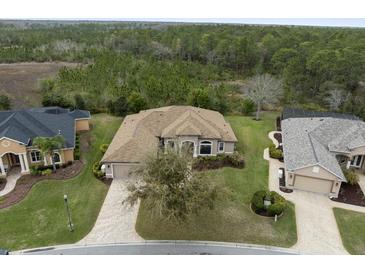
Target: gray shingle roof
25,125
311,141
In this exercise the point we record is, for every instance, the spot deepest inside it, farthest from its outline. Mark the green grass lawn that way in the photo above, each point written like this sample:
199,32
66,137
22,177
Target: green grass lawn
232,219
352,229
41,220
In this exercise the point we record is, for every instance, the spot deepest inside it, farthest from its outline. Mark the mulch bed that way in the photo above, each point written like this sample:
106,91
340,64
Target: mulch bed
2,183
26,182
350,194
278,123
285,190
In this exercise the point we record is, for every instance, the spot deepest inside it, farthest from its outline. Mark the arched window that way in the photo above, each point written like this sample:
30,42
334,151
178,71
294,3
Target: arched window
57,158
205,148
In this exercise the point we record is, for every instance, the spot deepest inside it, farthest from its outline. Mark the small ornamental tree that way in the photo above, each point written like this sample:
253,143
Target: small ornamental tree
171,188
48,145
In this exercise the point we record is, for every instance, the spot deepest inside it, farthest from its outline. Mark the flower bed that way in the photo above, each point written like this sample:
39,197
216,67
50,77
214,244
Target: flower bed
268,203
350,194
223,160
26,182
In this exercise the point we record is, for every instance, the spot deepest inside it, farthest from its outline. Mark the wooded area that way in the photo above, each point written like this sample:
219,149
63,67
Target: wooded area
129,66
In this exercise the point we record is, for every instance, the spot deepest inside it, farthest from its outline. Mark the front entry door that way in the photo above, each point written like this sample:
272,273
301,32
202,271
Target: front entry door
15,159
357,161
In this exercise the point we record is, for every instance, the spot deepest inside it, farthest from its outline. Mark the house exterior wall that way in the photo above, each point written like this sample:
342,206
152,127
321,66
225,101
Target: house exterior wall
68,155
7,145
82,125
311,176
357,151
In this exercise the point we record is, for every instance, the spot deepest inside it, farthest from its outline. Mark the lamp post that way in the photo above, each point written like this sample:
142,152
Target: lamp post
70,225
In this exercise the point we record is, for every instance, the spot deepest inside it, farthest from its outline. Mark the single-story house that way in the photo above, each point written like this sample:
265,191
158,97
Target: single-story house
317,147
18,128
202,132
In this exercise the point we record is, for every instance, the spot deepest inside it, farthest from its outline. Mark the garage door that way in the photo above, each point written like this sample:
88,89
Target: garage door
123,171
313,184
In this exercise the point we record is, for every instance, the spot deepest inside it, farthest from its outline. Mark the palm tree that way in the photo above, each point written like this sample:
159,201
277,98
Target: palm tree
48,145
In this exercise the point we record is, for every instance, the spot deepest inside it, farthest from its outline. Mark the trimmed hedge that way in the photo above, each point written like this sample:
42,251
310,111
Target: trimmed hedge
278,203
104,147
275,152
221,160
97,170
38,169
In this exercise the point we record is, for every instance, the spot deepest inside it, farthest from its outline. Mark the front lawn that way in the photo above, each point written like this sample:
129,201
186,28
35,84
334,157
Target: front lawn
232,219
352,229
41,220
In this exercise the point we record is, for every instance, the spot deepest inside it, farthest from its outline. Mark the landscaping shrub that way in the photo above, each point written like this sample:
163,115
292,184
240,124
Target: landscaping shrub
278,203
221,160
351,176
97,170
275,152
77,148
257,201
46,172
275,209
34,170
104,147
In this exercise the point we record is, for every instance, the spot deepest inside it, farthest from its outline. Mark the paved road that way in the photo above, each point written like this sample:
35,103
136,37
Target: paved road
160,248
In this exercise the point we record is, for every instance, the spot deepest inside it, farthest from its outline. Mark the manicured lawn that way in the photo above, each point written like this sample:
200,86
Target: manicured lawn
41,220
352,229
232,219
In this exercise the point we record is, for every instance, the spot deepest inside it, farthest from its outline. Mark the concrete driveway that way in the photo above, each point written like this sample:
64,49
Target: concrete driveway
116,222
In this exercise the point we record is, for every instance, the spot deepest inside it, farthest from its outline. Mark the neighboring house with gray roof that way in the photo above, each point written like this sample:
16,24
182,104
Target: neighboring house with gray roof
18,128
200,131
316,149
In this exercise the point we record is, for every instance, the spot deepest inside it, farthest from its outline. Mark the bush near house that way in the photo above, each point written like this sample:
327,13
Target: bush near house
275,152
104,147
278,203
97,170
351,176
222,160
77,153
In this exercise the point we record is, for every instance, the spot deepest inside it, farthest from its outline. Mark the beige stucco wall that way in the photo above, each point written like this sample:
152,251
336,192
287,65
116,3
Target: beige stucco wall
68,155
7,145
82,125
309,173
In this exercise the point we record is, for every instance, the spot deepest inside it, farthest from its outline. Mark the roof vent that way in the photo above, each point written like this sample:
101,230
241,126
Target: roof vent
59,132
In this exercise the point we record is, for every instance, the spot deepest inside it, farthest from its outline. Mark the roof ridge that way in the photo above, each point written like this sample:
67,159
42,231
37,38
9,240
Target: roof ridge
314,151
29,116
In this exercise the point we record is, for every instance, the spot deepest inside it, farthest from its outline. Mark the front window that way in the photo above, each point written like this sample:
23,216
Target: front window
35,156
357,161
221,146
205,148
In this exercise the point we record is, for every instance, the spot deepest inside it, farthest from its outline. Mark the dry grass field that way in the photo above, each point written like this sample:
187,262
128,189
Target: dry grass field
20,81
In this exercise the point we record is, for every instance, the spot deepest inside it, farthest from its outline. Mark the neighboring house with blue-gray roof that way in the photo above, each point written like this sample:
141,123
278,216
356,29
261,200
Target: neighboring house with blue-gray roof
18,128
317,147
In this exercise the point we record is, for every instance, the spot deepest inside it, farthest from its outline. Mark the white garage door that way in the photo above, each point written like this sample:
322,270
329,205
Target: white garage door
313,184
123,171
